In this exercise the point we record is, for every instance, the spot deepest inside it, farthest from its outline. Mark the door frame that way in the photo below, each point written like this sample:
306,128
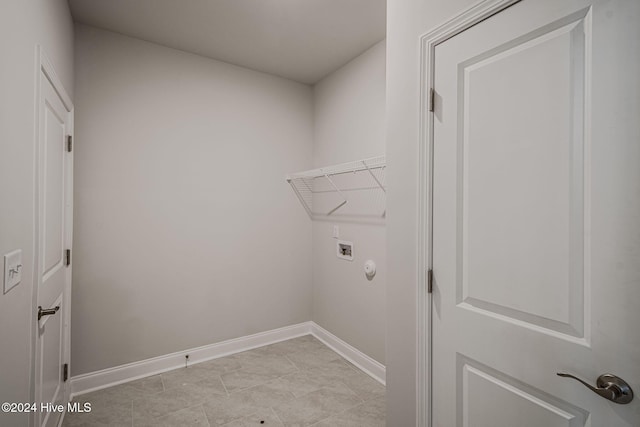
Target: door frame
462,21
45,70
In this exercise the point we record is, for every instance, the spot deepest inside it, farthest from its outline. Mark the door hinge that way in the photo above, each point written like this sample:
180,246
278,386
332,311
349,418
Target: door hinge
65,372
69,143
429,280
431,99
68,257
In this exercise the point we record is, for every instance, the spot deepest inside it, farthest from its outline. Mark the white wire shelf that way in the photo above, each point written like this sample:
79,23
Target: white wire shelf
349,190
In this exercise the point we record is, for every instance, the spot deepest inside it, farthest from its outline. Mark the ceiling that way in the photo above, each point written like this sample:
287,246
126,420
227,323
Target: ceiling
302,40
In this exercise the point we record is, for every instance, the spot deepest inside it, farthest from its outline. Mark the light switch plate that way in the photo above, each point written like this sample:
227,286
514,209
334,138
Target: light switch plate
12,269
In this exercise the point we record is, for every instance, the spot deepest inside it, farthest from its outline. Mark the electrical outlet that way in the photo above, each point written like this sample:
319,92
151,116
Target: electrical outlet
336,232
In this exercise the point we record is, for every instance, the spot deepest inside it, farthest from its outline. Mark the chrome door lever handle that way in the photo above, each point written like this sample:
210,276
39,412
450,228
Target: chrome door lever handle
608,386
47,312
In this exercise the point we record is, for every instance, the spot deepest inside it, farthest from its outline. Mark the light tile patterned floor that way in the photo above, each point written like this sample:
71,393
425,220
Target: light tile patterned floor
299,382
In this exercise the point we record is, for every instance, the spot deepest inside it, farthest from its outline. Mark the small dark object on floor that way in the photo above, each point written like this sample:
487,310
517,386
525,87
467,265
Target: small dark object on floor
262,422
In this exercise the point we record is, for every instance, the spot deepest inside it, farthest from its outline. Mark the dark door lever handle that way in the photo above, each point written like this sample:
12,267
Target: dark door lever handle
47,312
608,386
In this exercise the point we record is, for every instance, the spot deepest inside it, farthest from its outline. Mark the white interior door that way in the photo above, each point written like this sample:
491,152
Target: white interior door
54,239
536,216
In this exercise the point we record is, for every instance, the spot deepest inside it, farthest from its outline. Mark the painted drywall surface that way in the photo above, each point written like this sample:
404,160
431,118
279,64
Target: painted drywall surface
186,232
299,40
23,25
350,125
407,20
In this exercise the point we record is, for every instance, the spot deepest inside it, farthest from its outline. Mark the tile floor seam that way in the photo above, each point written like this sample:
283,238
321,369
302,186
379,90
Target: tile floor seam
276,415
292,362
328,387
173,412
206,419
341,412
224,386
237,419
256,385
352,390
326,418
353,366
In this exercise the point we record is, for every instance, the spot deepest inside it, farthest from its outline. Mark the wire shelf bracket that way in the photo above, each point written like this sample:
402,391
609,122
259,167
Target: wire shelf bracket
323,191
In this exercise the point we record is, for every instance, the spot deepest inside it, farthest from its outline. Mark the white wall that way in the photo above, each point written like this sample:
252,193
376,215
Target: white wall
23,25
349,112
186,231
407,20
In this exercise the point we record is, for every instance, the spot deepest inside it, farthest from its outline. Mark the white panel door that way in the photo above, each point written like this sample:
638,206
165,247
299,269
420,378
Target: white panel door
54,238
536,216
